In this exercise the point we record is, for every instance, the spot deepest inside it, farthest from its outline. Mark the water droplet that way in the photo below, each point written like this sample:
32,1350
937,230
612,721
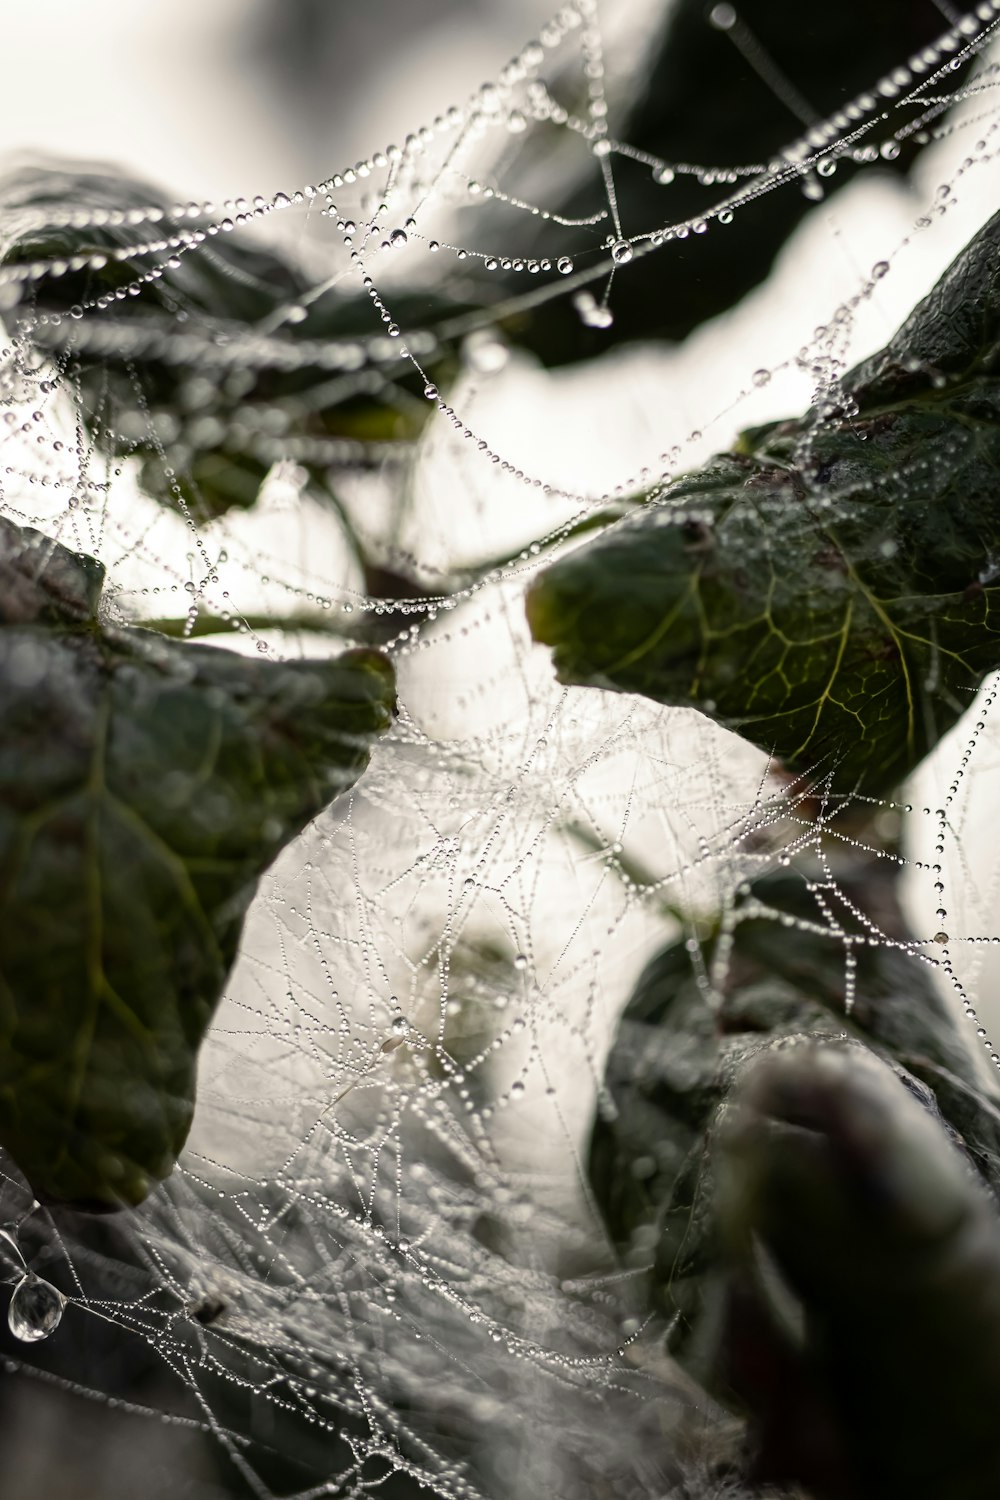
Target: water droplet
281,200
517,1089
36,1308
879,269
564,265
722,17
761,377
621,252
664,175
590,314
431,392
520,961
941,937
433,246
398,238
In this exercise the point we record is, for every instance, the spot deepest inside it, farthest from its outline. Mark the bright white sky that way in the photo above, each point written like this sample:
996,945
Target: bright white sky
166,87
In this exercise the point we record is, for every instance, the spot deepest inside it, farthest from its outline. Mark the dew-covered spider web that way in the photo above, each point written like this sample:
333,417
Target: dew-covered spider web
379,1264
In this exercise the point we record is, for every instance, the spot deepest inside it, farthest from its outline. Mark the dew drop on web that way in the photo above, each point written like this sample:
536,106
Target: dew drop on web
36,1309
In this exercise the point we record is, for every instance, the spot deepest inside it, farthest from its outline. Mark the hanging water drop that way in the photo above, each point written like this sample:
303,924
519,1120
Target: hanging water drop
590,314
431,392
564,265
36,1308
664,175
398,238
621,252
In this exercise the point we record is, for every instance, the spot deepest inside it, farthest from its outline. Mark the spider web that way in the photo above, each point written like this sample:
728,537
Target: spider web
378,1264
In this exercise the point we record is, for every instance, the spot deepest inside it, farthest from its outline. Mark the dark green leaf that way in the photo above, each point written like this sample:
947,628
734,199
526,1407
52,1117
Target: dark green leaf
145,785
829,590
679,1051
227,359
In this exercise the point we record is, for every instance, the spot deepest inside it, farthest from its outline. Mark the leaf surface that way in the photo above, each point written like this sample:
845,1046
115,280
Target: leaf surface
829,590
145,786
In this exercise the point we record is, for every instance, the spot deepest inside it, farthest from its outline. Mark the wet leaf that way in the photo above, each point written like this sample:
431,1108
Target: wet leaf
145,786
829,590
705,99
682,1047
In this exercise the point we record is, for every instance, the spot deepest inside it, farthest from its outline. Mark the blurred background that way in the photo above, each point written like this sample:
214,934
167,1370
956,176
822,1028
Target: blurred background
239,95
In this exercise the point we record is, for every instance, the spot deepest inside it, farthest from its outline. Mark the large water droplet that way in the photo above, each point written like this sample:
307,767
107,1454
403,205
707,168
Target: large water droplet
564,265
36,1308
621,252
664,175
398,238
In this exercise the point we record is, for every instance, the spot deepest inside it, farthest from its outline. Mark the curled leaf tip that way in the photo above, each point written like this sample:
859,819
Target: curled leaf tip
145,786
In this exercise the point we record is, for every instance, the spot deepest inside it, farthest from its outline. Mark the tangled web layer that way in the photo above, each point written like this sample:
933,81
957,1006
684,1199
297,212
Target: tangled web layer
378,1263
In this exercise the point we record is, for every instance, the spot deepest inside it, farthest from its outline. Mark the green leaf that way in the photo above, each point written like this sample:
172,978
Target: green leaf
716,98
681,1048
145,786
227,360
829,590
